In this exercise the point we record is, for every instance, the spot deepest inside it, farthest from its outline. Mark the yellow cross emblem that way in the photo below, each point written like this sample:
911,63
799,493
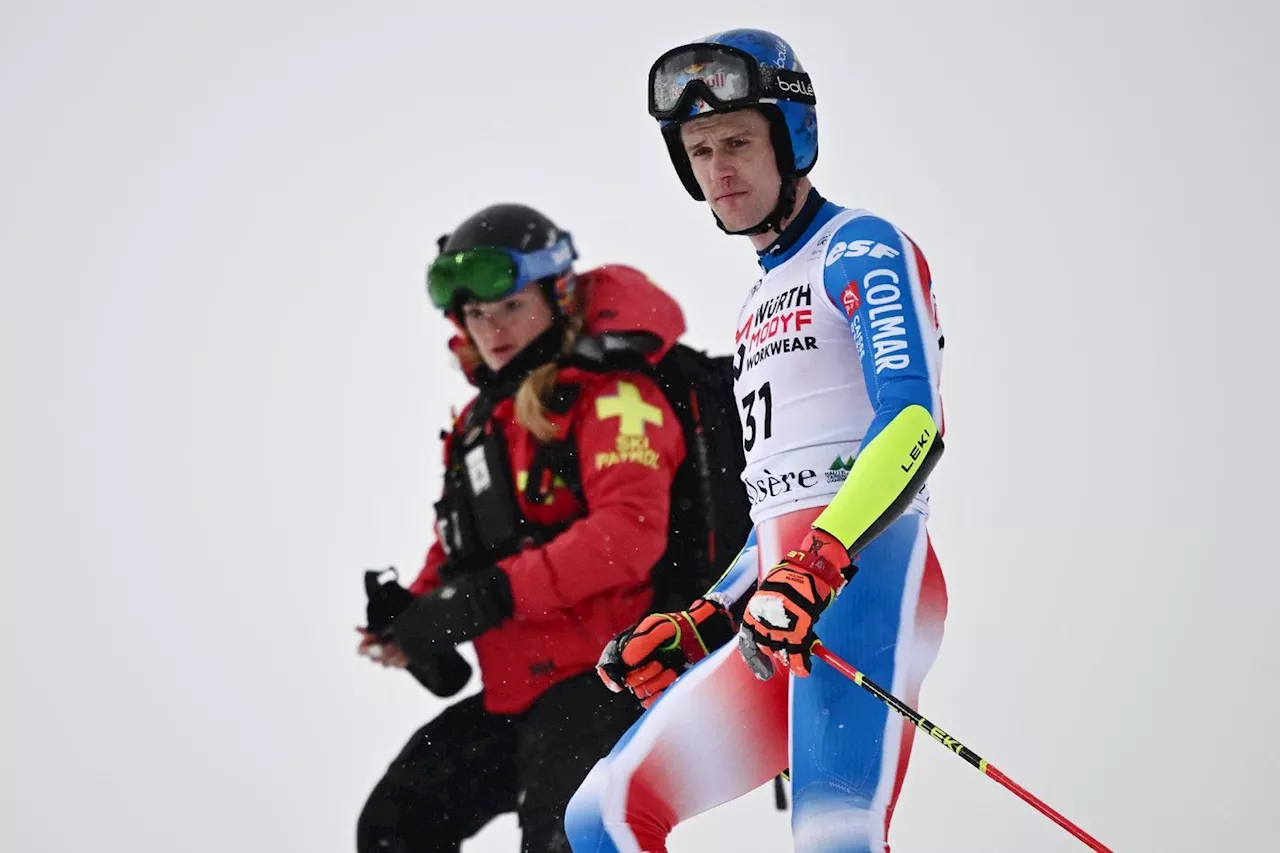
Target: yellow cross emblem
628,405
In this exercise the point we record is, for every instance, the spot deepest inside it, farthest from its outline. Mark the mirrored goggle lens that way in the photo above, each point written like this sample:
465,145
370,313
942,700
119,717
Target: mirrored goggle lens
486,274
726,75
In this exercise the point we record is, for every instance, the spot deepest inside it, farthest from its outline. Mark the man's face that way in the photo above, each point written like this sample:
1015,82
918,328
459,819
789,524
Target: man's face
733,161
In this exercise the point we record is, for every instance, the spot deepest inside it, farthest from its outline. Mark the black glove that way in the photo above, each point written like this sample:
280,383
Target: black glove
461,610
386,601
444,673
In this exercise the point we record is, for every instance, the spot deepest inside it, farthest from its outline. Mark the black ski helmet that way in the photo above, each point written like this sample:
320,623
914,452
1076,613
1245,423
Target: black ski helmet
522,230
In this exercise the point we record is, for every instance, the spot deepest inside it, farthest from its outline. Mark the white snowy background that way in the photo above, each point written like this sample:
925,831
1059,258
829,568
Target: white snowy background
222,385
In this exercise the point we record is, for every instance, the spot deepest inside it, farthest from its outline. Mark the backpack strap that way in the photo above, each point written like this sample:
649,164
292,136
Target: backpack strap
608,352
614,351
476,417
558,458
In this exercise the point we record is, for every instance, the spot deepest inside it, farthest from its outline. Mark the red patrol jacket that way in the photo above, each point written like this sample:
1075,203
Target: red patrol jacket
573,594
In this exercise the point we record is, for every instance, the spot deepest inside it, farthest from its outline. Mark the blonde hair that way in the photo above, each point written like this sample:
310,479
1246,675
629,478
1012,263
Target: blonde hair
531,408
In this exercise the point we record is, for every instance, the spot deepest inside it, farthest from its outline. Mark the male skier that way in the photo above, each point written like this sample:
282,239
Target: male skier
838,354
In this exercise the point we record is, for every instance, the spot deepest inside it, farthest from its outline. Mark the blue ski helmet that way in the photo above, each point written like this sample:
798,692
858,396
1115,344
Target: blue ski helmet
733,70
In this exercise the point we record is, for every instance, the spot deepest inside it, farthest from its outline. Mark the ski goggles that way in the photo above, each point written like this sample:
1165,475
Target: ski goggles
726,78
489,274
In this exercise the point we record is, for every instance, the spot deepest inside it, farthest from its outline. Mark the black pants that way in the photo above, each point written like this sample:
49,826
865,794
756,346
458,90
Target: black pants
467,766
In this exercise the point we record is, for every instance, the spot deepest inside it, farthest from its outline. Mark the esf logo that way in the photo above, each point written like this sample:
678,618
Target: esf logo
770,485
858,248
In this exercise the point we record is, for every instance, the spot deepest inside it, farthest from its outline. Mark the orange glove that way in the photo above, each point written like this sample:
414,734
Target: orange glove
783,610
649,656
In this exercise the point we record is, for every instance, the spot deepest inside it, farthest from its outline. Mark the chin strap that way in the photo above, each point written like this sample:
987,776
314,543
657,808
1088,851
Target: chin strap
774,219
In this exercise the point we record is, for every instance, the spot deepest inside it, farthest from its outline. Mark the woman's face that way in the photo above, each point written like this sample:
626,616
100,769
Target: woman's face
501,329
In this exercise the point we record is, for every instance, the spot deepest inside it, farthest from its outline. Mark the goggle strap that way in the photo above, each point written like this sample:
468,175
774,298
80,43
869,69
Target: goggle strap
765,84
546,262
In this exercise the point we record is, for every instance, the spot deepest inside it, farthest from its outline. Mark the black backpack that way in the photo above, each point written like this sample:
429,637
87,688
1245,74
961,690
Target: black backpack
709,520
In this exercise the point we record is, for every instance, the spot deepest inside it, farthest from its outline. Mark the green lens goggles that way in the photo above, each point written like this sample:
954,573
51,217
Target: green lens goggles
489,274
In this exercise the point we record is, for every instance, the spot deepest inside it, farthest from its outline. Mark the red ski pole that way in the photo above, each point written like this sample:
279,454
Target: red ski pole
955,746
